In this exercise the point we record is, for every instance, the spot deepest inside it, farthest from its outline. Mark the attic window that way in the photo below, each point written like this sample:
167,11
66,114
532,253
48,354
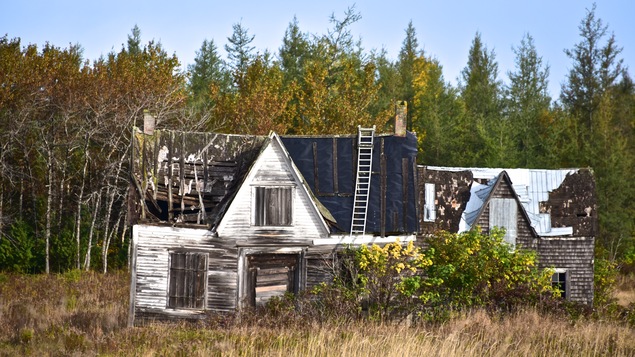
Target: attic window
430,207
187,280
273,206
503,213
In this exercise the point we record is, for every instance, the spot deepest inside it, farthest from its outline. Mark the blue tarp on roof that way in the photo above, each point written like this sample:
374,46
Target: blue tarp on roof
328,165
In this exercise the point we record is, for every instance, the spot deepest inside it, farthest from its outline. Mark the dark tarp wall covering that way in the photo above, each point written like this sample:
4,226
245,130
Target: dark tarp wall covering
328,165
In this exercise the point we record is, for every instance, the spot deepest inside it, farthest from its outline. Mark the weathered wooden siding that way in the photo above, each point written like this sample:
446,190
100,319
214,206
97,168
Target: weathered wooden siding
320,264
153,245
576,256
272,169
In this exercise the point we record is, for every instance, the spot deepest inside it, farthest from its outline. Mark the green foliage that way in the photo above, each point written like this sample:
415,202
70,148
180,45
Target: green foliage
604,280
481,129
239,51
16,248
526,102
475,269
390,275
453,272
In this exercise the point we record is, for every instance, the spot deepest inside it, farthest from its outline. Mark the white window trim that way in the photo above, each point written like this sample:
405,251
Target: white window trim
567,279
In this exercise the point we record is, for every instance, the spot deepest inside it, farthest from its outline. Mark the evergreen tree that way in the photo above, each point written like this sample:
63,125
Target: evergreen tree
595,68
294,52
527,100
405,65
208,69
239,51
134,41
483,136
389,85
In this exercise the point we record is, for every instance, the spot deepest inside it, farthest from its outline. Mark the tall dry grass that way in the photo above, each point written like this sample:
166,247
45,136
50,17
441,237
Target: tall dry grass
625,290
85,314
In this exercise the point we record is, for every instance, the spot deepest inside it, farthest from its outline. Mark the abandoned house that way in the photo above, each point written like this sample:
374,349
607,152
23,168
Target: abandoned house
221,222
552,212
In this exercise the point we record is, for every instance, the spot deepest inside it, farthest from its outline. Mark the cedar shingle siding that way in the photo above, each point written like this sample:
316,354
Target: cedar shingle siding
561,228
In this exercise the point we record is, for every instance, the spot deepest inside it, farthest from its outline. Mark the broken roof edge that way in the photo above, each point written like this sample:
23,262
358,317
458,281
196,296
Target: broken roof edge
136,129
224,205
491,172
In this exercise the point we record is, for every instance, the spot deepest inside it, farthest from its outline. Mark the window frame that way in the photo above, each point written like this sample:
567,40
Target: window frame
564,293
429,206
511,235
189,299
259,217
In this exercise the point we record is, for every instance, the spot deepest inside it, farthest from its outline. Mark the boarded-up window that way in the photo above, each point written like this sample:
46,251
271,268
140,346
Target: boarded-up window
188,280
559,281
503,213
430,207
273,206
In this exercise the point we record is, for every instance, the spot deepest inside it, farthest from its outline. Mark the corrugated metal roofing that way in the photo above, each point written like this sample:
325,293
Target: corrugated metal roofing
531,185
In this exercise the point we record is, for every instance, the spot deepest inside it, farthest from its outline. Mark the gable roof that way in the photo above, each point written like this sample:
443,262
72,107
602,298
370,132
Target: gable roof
531,187
274,139
484,195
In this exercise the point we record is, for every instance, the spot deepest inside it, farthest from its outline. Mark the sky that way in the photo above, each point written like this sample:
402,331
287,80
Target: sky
445,28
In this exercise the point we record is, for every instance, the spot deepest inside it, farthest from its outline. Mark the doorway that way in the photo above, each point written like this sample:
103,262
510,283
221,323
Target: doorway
271,275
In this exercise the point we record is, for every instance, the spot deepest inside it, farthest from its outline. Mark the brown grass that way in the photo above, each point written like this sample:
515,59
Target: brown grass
625,290
85,314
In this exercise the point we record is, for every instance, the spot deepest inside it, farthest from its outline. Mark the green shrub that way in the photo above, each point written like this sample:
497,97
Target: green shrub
475,269
16,248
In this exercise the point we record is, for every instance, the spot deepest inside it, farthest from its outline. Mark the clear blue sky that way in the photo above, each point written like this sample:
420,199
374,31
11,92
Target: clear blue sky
445,29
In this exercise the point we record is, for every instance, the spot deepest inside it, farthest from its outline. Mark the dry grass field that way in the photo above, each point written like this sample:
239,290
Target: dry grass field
86,314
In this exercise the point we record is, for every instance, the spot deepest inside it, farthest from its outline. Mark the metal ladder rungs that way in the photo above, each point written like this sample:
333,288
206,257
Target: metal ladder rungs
365,141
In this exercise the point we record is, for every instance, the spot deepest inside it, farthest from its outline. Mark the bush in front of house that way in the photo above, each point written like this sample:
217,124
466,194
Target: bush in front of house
453,273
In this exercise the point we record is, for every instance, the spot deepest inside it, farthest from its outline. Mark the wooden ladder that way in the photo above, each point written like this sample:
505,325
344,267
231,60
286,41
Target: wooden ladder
365,137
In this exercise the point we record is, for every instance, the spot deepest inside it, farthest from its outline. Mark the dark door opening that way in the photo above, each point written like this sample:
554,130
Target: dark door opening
271,275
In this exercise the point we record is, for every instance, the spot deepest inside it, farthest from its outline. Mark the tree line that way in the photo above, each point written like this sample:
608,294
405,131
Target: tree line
65,122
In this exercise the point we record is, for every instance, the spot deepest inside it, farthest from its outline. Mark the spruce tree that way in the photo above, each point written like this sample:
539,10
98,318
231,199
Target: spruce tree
134,41
595,68
208,68
527,100
239,51
294,52
405,66
483,137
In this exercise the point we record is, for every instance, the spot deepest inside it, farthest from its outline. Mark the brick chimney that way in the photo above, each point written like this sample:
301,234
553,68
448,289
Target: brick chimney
401,115
148,123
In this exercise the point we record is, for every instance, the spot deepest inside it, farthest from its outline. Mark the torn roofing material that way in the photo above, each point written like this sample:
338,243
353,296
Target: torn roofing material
532,186
175,174
187,177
